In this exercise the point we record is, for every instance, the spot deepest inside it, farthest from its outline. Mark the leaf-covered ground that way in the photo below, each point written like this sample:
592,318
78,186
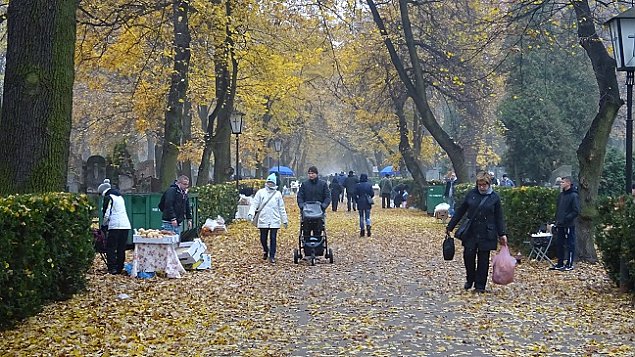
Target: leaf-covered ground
388,295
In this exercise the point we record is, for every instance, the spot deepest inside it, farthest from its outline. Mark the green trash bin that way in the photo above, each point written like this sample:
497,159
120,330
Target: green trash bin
143,211
434,196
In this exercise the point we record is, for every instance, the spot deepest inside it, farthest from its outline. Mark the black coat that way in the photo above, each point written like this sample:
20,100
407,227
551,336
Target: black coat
362,190
350,183
335,188
176,205
487,224
314,191
567,208
449,186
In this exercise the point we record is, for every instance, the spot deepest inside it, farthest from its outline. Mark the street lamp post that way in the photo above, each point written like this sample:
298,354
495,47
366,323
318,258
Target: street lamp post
277,144
236,122
622,28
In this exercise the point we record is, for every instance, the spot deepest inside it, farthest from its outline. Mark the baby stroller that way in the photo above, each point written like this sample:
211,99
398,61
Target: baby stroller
312,240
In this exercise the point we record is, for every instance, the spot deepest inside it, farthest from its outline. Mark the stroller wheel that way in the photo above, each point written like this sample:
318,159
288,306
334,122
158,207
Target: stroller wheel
296,256
330,255
312,260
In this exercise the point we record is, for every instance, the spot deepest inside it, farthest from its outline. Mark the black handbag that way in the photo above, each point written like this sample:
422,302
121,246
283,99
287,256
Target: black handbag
448,247
465,226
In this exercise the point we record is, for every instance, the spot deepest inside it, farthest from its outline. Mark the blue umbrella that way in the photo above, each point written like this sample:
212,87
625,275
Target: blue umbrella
388,170
284,171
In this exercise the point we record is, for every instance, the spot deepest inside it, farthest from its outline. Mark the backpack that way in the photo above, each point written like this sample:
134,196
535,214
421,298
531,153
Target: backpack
162,201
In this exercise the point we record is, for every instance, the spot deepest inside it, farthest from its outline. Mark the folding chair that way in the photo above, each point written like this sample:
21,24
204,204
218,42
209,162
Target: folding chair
540,243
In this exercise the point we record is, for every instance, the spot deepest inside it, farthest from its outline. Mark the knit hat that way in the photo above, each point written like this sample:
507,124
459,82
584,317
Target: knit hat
104,187
272,178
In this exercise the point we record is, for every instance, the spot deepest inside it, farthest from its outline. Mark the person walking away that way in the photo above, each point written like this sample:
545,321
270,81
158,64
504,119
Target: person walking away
175,206
507,182
397,193
449,191
363,196
385,188
313,190
116,218
341,178
483,207
567,210
336,192
269,202
350,183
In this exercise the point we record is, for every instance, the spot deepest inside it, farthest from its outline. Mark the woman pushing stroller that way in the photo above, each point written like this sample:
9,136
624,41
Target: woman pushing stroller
272,214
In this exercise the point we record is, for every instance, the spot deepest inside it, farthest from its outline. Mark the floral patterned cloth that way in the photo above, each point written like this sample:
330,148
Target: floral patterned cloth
156,257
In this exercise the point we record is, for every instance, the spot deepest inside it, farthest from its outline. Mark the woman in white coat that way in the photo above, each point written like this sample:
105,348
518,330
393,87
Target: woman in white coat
268,201
116,218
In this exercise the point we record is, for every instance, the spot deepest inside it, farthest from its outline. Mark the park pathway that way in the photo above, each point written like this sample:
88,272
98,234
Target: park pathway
388,295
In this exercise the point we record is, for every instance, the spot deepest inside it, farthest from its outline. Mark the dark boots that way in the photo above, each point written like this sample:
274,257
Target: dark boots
367,231
361,232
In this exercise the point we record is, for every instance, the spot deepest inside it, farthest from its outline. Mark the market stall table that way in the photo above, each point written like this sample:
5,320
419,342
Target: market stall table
158,255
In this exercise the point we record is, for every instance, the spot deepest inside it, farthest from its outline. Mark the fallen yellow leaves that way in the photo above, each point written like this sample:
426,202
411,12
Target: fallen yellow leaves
388,295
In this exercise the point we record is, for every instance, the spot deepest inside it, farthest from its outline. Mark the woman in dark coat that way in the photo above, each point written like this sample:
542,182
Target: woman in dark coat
487,228
364,190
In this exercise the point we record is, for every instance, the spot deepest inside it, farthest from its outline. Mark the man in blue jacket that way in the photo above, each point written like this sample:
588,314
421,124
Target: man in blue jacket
567,209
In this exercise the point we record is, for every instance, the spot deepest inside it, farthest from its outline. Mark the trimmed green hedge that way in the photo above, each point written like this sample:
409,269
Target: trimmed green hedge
615,235
221,199
46,248
524,209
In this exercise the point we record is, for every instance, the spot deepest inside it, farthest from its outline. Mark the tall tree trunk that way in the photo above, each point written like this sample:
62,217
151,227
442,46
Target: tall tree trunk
207,123
36,119
187,137
592,150
226,89
417,90
178,93
407,153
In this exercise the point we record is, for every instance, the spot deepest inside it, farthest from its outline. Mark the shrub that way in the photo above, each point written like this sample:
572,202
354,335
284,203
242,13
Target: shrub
615,235
45,251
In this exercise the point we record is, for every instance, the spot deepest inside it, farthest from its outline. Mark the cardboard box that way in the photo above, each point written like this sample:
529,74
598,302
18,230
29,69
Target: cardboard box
191,254
163,240
204,263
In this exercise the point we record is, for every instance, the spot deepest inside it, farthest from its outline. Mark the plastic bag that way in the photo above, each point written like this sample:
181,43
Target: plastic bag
211,224
503,266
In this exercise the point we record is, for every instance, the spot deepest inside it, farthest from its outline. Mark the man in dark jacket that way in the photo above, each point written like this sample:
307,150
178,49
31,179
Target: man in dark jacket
385,188
350,183
449,191
336,191
567,209
176,206
313,190
341,178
